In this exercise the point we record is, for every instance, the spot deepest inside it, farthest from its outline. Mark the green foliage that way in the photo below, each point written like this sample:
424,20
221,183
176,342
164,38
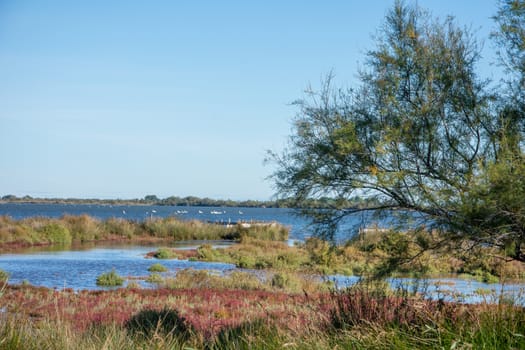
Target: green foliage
110,279
422,133
165,253
120,227
269,232
284,281
157,268
56,233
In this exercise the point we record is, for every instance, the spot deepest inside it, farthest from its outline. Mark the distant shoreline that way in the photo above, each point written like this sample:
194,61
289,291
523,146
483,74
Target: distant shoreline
189,201
135,202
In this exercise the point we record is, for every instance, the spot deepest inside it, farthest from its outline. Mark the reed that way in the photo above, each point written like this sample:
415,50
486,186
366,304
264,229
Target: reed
78,229
110,279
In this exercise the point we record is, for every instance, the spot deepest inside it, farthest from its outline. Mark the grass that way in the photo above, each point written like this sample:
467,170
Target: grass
4,276
373,255
110,279
157,268
209,318
282,305
264,247
78,229
155,278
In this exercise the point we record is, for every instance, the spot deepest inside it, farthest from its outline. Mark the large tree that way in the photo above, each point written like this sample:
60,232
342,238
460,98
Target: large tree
422,133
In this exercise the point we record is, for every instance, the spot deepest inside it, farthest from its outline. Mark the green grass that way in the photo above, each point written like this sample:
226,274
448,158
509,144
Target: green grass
165,253
110,279
157,268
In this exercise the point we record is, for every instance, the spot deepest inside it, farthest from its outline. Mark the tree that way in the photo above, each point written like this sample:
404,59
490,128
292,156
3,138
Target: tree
151,198
421,133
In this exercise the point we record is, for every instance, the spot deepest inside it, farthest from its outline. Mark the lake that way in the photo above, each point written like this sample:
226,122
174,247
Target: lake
289,217
78,268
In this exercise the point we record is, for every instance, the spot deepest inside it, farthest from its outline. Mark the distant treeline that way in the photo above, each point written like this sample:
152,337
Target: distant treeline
324,202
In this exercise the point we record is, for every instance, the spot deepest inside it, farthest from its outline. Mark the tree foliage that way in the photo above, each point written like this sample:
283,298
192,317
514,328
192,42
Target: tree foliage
422,132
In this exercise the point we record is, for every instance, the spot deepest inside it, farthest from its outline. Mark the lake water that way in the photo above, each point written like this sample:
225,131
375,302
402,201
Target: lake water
289,217
79,268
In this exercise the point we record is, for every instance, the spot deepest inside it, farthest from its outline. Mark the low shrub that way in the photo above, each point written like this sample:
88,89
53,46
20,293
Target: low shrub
110,279
55,233
120,227
157,268
159,323
155,278
284,281
165,253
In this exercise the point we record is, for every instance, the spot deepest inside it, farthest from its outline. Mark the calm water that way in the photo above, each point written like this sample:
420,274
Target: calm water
78,269
298,225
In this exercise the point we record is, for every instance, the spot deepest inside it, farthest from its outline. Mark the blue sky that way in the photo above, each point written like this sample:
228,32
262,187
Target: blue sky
120,99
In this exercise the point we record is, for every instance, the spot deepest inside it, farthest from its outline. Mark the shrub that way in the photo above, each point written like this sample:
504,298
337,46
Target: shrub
83,227
110,279
150,323
155,278
56,233
268,232
157,268
120,227
165,253
283,280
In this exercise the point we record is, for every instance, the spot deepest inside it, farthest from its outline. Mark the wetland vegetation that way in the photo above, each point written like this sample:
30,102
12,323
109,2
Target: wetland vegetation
278,301
79,229
421,133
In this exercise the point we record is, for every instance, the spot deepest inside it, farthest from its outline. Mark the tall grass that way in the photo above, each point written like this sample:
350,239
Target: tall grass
77,229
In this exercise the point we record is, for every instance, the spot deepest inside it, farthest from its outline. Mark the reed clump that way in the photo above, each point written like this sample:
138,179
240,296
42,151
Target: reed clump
110,279
157,268
78,229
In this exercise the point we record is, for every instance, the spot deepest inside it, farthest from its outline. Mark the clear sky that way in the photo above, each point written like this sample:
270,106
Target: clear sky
120,99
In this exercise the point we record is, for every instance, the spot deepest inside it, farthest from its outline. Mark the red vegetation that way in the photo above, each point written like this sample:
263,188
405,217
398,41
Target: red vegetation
209,311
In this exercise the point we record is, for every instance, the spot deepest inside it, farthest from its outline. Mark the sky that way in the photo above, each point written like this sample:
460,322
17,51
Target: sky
122,99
